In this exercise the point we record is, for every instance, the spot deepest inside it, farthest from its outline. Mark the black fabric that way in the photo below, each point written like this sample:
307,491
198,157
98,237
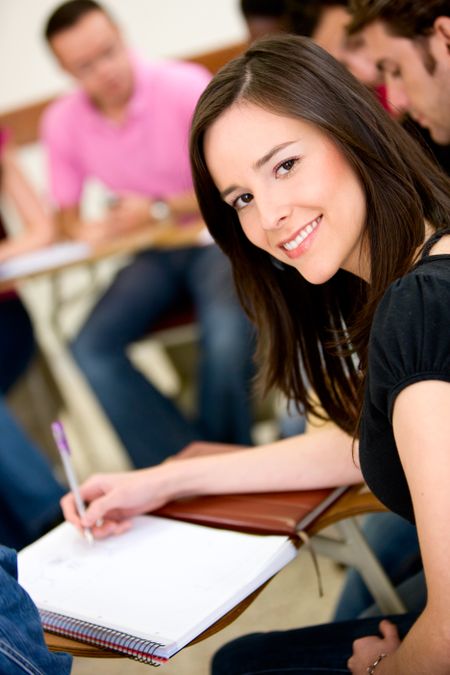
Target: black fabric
312,650
409,342
440,153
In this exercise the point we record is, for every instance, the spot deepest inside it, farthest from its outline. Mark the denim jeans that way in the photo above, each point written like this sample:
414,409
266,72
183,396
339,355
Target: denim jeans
29,493
151,426
16,341
22,646
394,542
302,651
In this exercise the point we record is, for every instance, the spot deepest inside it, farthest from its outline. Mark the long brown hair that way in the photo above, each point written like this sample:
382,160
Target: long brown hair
314,338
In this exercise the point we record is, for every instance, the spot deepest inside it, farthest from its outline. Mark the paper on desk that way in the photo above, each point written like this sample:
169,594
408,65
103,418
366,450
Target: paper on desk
45,259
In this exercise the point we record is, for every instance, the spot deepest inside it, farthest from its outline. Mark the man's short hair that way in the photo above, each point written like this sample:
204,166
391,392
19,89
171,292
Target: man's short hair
403,18
68,14
303,16
270,8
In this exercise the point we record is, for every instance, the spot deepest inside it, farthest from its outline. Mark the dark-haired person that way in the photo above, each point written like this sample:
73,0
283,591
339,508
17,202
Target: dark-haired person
328,210
263,17
410,43
126,125
326,21
392,539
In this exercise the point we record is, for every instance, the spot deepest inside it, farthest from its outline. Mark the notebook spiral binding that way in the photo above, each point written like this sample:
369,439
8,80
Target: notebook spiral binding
136,648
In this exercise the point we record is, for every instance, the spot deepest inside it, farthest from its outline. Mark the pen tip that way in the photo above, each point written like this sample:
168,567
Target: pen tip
89,537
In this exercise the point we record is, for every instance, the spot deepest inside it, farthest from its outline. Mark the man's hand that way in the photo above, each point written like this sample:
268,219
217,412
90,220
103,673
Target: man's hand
94,232
367,650
129,212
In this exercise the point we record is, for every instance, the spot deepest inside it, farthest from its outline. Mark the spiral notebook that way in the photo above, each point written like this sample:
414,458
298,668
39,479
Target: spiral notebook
151,591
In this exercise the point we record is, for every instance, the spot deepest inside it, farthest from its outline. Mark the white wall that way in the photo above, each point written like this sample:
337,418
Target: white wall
158,28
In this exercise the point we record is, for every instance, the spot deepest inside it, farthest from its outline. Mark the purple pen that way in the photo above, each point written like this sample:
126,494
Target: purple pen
64,451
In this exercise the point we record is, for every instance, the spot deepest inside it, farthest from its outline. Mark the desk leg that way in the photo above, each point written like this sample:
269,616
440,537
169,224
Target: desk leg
353,550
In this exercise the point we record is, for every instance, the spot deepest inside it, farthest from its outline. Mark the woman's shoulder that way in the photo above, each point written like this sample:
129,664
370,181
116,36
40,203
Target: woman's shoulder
429,277
416,303
410,335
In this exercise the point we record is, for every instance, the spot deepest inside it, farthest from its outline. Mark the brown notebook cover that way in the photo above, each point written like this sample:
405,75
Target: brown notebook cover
263,513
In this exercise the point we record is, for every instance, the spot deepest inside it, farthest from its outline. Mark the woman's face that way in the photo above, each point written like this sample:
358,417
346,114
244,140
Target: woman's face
295,194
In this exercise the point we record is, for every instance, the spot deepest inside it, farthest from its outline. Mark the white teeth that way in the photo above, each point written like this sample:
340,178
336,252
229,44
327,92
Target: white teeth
294,243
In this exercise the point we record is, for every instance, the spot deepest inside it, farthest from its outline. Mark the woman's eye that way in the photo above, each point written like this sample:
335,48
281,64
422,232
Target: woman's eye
242,201
285,167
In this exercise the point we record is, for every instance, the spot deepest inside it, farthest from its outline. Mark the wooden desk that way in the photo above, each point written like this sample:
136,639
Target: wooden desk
166,234
356,501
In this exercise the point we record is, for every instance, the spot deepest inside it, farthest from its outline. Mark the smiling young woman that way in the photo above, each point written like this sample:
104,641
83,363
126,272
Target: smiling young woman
294,161
335,224
288,88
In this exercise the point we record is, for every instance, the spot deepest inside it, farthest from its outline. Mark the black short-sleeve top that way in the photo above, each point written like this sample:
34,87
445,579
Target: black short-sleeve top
409,342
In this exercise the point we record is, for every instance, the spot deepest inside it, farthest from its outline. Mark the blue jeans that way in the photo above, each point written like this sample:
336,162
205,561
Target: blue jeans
22,646
29,493
394,542
17,344
151,426
315,649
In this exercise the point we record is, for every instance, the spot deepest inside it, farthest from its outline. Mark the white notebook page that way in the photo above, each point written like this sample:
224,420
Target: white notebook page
164,580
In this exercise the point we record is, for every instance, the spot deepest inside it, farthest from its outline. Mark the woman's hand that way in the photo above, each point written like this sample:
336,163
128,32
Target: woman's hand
367,650
113,499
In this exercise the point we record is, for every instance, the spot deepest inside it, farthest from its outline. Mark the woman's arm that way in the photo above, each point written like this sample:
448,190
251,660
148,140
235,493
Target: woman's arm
421,423
322,459
39,229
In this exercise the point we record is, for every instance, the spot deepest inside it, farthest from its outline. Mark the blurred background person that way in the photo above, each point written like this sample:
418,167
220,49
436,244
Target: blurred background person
29,492
126,125
409,42
326,21
263,17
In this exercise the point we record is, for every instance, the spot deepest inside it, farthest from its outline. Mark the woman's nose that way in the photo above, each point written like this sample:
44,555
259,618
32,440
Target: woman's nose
272,214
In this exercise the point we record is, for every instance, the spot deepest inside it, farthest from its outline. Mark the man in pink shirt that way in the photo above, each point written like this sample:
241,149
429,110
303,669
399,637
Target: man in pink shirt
127,125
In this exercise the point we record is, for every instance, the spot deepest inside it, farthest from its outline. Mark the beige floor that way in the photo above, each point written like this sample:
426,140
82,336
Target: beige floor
290,600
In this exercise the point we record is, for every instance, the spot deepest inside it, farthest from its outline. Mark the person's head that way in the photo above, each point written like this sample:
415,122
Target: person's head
89,46
263,17
326,21
307,185
410,42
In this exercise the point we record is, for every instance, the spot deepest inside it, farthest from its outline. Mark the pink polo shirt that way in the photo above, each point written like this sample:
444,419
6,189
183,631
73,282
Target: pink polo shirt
146,155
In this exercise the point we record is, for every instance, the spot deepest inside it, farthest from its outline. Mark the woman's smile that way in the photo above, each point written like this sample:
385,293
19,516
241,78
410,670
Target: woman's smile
293,246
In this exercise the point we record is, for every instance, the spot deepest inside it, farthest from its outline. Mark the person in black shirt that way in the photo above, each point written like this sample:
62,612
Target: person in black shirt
338,228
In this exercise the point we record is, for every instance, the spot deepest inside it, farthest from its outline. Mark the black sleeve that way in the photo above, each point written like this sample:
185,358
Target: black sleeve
410,337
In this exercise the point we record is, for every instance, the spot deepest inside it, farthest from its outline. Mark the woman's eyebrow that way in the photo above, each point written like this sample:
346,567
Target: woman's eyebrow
268,156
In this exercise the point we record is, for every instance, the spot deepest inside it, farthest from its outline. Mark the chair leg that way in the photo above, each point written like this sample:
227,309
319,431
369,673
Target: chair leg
353,550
